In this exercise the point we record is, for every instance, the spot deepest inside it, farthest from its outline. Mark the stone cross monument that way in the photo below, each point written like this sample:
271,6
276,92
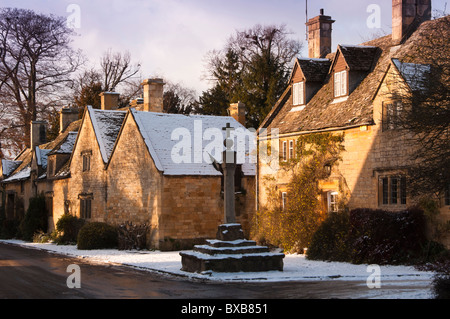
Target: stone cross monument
228,169
230,251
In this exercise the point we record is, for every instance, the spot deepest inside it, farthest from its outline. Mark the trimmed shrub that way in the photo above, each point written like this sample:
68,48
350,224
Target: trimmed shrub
35,219
441,280
9,228
384,237
372,237
97,235
67,228
331,240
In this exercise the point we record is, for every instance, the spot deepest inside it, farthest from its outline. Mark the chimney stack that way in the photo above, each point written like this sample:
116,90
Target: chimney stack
407,15
237,111
67,115
38,133
319,35
153,95
109,100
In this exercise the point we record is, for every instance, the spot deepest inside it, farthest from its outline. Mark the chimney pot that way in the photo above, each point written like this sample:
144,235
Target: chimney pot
109,100
237,111
38,133
319,35
407,15
153,95
67,115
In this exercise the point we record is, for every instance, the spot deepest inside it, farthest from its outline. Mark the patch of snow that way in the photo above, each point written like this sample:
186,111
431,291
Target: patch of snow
344,46
314,59
67,146
298,108
296,268
180,144
106,125
9,166
23,174
42,156
415,75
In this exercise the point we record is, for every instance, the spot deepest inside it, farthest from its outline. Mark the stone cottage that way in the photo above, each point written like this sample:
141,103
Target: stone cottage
137,165
350,91
40,169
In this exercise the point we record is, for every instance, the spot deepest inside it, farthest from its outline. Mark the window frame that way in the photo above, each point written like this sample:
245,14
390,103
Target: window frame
291,149
392,190
298,93
447,195
284,151
86,161
85,208
86,205
340,83
390,112
332,202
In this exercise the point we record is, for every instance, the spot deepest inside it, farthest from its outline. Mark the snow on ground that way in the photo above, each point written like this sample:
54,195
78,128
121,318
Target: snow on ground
296,268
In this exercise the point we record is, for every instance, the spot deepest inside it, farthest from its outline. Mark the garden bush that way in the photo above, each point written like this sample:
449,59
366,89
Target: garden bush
9,228
371,236
331,240
35,218
441,267
67,228
97,235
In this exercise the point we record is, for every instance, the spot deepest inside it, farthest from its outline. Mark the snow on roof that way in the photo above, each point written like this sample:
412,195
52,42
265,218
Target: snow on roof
23,174
415,75
67,146
9,166
181,144
106,125
41,156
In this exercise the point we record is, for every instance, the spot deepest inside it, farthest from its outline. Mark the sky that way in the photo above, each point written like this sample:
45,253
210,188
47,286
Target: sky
171,38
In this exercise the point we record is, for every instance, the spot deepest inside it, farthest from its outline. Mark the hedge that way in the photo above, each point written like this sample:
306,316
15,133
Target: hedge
371,236
97,235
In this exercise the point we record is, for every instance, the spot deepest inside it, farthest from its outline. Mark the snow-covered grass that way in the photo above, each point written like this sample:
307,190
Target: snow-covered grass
296,268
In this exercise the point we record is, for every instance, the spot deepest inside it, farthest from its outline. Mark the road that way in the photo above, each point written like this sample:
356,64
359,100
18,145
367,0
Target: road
31,274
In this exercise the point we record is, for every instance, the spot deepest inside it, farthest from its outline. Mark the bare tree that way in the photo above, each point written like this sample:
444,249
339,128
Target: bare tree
36,63
426,107
116,68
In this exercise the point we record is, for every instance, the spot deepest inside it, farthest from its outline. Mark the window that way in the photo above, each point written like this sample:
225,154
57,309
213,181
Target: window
392,190
49,203
85,208
283,200
332,200
291,149
85,205
385,192
298,93
447,196
284,150
340,83
403,190
86,161
390,113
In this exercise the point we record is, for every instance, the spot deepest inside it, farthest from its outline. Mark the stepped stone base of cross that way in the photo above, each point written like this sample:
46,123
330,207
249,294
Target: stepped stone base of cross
230,252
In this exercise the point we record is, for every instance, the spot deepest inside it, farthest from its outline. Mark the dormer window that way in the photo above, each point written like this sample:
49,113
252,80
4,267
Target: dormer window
340,83
298,94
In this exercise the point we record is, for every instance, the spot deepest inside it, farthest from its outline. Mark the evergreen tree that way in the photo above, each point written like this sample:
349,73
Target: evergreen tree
253,68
